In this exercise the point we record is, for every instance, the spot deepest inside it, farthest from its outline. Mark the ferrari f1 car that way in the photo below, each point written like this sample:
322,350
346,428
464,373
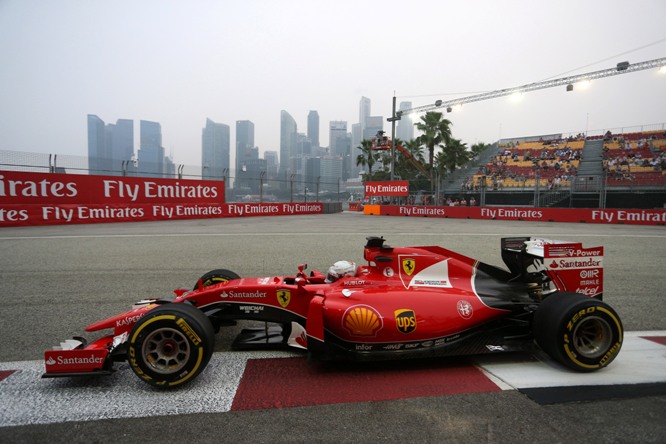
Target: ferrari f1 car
404,302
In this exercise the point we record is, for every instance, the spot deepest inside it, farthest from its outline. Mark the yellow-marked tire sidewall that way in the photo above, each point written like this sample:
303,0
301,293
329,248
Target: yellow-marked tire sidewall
214,277
580,316
555,325
190,325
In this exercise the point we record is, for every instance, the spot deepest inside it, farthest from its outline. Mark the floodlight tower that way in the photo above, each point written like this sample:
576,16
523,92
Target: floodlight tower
569,81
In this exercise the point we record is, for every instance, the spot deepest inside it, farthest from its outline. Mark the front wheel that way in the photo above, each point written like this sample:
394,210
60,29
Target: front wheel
171,345
578,331
215,277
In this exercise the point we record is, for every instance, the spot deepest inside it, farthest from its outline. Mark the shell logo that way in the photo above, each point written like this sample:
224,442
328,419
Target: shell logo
362,320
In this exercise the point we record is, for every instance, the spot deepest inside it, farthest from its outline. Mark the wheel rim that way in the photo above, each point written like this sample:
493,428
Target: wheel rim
166,350
592,337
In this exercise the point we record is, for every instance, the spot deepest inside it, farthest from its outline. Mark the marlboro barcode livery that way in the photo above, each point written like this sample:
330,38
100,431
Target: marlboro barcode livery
406,302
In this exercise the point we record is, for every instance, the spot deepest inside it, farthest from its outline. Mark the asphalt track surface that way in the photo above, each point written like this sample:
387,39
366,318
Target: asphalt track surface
56,280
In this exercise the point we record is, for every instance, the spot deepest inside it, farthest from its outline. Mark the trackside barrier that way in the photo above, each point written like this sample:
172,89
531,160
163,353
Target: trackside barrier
585,215
28,199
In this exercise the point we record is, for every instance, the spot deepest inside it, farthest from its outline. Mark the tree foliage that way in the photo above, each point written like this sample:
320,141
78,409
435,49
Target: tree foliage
445,154
367,157
436,132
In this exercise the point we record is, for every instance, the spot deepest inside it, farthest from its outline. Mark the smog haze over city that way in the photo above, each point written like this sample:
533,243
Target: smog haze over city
179,63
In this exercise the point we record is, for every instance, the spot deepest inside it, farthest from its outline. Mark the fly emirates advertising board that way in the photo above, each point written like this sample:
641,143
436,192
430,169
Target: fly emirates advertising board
49,199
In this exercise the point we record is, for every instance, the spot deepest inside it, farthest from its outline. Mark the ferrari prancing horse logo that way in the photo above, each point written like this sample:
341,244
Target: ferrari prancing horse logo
408,266
284,297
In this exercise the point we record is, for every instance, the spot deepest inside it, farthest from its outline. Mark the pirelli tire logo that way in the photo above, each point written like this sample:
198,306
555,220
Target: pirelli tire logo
405,320
189,332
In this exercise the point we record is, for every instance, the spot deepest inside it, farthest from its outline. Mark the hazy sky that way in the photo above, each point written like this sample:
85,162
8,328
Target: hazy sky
180,62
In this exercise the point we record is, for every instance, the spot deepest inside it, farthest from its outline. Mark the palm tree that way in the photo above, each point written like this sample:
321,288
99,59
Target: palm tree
436,131
402,165
477,149
367,156
455,154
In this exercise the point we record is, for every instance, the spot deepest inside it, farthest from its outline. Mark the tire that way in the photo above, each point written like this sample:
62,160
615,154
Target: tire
171,345
215,277
580,332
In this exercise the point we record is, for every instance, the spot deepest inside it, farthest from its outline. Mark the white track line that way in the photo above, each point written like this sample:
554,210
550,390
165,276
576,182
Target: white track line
640,361
28,399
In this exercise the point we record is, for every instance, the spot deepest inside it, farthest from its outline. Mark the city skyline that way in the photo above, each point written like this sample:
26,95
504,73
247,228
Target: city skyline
111,150
181,63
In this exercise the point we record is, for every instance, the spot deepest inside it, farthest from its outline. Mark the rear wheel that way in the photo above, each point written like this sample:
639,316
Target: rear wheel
578,331
215,277
171,345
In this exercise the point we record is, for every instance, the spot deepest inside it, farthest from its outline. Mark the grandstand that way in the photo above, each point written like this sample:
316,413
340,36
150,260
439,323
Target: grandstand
614,170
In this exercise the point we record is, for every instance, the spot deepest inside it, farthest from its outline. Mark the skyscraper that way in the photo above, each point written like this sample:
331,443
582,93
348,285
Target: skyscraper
313,130
364,113
337,130
122,144
356,137
272,163
97,151
215,151
288,138
151,151
373,125
244,143
405,128
340,146
110,146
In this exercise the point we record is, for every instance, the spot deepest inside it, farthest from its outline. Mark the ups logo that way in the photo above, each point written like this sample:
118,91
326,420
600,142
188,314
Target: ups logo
405,320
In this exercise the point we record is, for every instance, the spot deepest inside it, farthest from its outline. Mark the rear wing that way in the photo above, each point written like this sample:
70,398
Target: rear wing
576,269
570,267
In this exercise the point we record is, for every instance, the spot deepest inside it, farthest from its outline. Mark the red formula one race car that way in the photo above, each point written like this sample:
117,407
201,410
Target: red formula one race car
405,302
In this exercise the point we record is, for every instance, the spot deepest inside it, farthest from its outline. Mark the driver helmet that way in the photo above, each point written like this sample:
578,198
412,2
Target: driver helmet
340,269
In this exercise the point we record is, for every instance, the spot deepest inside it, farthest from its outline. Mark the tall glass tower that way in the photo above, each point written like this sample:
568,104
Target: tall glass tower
151,151
313,129
288,142
110,146
405,129
215,153
97,152
244,143
363,113
122,144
